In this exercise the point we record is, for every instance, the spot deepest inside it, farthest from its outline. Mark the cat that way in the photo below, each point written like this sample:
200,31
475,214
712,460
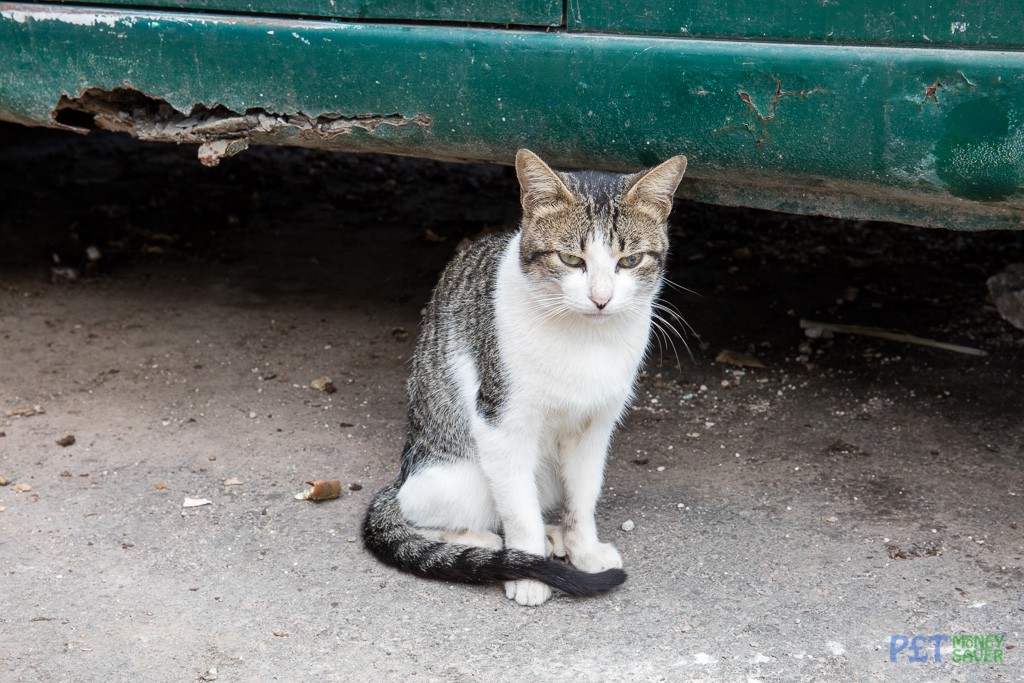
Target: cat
526,360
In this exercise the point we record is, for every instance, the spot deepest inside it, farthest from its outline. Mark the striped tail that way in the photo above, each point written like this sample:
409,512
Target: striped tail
393,541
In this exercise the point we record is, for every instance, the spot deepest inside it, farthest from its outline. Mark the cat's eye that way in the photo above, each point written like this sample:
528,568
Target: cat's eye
570,260
631,261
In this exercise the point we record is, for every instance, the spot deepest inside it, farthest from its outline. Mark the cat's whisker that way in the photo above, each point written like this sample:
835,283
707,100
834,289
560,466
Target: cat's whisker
666,307
660,337
666,328
553,313
678,333
657,324
678,287
664,341
671,329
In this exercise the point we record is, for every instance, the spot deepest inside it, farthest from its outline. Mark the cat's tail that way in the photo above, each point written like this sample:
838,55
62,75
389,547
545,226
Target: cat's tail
388,536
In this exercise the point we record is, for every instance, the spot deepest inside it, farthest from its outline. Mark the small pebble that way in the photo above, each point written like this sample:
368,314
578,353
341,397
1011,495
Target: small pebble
324,384
628,525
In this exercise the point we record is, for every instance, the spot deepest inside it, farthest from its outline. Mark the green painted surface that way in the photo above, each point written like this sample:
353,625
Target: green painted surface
930,137
927,23
512,12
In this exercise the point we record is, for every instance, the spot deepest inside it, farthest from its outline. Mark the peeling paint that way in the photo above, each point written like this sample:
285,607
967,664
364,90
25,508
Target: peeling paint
219,131
80,18
966,80
25,13
760,130
947,89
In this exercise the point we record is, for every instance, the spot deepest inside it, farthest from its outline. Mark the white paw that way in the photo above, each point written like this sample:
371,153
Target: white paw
554,540
527,592
596,558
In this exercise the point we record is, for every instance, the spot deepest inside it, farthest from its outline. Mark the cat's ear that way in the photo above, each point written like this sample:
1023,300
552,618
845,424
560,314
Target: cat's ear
656,187
541,187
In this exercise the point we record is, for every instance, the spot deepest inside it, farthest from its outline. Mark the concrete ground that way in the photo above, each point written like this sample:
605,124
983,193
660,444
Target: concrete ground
788,519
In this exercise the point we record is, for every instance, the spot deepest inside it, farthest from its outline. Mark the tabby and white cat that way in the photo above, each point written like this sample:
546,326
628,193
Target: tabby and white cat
526,360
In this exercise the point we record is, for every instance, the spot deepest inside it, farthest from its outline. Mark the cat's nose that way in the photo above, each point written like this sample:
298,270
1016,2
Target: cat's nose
601,289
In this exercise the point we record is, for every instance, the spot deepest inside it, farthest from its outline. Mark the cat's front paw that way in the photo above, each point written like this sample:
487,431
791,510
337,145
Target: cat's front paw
595,558
527,592
554,540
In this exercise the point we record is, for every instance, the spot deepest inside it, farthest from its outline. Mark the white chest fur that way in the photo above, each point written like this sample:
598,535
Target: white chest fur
566,363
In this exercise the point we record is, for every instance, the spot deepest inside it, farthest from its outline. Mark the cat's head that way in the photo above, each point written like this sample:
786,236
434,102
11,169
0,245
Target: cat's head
595,243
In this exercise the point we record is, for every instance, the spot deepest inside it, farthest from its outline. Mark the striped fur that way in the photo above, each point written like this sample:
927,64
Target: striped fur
526,359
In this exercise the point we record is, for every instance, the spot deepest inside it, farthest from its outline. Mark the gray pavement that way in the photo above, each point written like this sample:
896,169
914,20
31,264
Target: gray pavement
789,520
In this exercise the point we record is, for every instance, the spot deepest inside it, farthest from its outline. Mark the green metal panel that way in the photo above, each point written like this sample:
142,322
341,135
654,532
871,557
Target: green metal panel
930,23
512,12
931,137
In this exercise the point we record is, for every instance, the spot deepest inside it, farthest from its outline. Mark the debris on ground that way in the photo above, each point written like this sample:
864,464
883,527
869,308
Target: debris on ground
737,359
1007,291
4,481
22,488
324,384
232,481
27,411
928,549
814,329
66,441
628,525
195,502
323,489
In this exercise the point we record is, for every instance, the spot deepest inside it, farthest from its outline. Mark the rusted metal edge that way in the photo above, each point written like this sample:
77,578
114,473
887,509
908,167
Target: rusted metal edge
219,131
